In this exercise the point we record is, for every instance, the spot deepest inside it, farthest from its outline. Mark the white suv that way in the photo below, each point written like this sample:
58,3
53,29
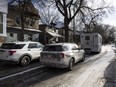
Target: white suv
20,52
61,55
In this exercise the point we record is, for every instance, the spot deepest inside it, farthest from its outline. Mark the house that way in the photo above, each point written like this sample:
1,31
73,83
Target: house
52,34
49,34
59,28
62,32
3,13
30,22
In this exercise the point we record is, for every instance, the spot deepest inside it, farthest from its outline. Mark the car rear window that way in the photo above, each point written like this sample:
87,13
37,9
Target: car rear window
53,48
12,46
56,48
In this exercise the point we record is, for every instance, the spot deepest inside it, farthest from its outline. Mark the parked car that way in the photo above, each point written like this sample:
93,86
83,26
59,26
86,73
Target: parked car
20,52
61,55
114,48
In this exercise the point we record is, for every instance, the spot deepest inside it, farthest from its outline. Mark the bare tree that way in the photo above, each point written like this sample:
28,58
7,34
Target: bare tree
22,7
89,23
82,7
89,11
48,16
106,31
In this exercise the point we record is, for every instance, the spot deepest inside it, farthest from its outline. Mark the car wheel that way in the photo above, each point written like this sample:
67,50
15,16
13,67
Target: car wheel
83,58
25,61
71,64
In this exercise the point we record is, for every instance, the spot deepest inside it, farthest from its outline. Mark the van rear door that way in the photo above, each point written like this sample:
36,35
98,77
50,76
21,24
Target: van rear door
88,42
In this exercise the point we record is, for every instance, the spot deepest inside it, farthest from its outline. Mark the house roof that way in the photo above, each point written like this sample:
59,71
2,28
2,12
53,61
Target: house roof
29,29
29,9
3,6
54,34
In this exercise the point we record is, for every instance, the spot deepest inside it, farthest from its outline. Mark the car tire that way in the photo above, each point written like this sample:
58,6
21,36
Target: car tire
71,64
25,60
83,58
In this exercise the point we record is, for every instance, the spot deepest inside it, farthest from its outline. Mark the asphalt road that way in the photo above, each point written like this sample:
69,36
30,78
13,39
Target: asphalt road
94,72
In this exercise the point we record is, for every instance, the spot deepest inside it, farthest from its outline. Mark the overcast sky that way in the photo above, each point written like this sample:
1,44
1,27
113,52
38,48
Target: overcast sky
111,17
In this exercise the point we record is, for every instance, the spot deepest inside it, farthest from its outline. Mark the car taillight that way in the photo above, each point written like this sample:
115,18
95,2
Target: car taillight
61,55
11,52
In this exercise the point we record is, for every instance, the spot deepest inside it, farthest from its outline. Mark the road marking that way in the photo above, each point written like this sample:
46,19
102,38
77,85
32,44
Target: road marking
20,73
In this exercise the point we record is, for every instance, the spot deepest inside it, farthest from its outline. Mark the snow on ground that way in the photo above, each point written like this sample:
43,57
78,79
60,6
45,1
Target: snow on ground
92,73
110,74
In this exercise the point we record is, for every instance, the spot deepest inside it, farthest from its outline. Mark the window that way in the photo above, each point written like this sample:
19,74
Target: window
32,45
11,34
53,48
30,22
39,46
19,46
30,36
66,48
1,22
87,37
17,20
12,46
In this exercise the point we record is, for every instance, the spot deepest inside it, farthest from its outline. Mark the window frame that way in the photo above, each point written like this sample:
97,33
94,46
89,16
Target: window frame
1,22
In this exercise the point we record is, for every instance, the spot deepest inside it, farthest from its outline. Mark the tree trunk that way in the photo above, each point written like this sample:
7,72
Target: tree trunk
66,28
22,7
66,34
22,27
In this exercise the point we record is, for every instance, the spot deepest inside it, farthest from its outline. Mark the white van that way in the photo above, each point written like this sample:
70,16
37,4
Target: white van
91,42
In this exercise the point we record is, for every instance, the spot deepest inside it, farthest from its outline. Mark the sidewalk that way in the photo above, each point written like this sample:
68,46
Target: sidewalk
110,75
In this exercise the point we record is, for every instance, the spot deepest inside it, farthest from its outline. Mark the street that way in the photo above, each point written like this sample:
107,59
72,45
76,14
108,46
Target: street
96,71
57,43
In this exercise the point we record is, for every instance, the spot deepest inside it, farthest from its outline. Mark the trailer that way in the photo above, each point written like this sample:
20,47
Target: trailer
91,42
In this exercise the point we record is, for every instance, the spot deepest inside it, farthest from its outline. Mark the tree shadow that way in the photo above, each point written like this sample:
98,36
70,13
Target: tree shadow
33,77
110,75
50,73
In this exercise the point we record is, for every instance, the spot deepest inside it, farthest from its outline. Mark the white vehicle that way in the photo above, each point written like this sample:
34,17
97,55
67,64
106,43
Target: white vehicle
61,55
20,52
91,42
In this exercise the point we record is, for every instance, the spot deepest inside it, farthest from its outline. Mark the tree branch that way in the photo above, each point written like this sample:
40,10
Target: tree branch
78,9
57,5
